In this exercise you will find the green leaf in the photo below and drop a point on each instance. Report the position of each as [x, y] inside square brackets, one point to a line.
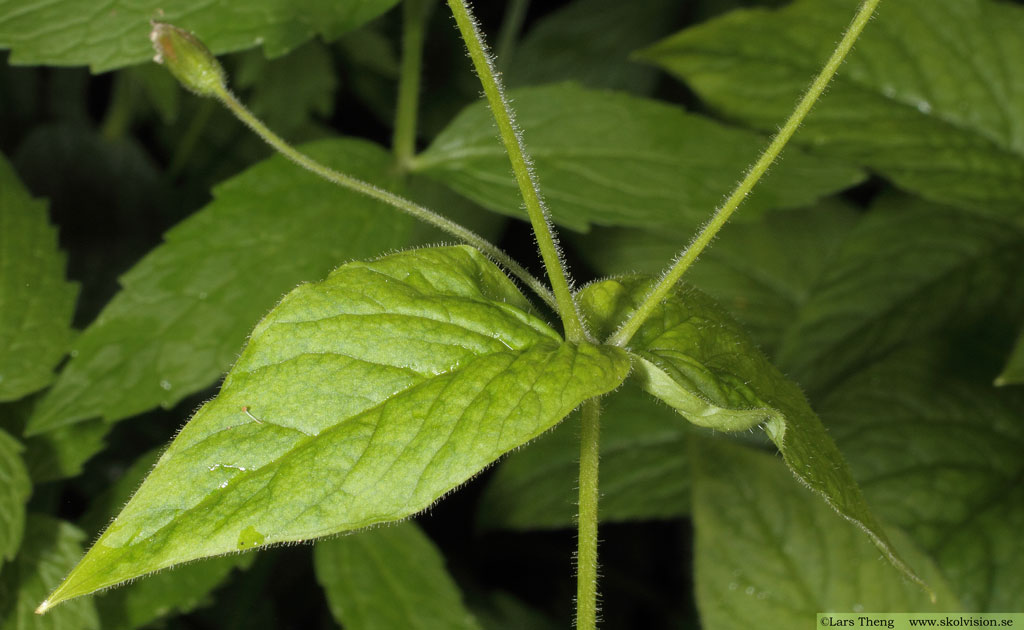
[612, 159]
[644, 470]
[177, 590]
[62, 452]
[910, 268]
[938, 452]
[15, 488]
[358, 400]
[761, 271]
[187, 306]
[590, 41]
[1013, 372]
[928, 98]
[692, 355]
[50, 548]
[36, 302]
[391, 577]
[81, 32]
[769, 555]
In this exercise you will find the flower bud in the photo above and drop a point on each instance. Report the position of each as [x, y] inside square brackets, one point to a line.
[188, 59]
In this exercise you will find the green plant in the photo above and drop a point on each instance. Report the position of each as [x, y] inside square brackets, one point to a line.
[365, 397]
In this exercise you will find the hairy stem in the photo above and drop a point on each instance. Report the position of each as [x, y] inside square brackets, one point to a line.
[722, 214]
[414, 20]
[586, 550]
[393, 200]
[513, 141]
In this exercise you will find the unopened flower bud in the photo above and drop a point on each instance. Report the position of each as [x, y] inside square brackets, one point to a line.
[188, 59]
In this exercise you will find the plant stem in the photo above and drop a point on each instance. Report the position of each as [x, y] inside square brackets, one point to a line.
[414, 20]
[511, 24]
[586, 550]
[401, 203]
[513, 141]
[722, 214]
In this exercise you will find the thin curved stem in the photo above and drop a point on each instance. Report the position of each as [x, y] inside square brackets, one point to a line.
[401, 203]
[510, 136]
[586, 543]
[722, 214]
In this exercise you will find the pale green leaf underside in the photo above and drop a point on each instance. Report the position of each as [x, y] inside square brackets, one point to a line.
[36, 302]
[609, 158]
[644, 471]
[693, 356]
[938, 452]
[391, 577]
[371, 394]
[932, 97]
[107, 35]
[51, 547]
[15, 489]
[909, 269]
[1013, 372]
[187, 307]
[770, 555]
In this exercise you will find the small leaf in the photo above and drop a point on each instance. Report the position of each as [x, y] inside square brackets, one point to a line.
[928, 98]
[50, 548]
[590, 41]
[15, 488]
[73, 32]
[1013, 371]
[188, 305]
[938, 452]
[358, 400]
[644, 470]
[391, 577]
[769, 555]
[36, 302]
[692, 355]
[608, 158]
[909, 269]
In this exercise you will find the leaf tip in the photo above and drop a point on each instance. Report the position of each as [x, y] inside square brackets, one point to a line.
[45, 606]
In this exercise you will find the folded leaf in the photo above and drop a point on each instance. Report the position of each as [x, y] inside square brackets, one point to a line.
[50, 548]
[608, 158]
[909, 269]
[644, 471]
[928, 97]
[188, 305]
[391, 577]
[15, 488]
[36, 302]
[769, 555]
[692, 355]
[80, 32]
[938, 452]
[358, 400]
